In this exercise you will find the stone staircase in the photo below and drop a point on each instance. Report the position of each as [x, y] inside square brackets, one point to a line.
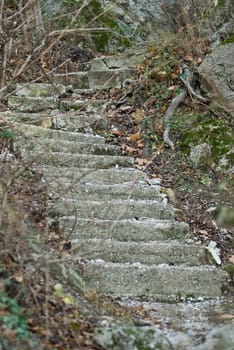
[121, 228]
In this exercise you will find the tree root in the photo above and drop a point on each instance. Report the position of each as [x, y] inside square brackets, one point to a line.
[186, 78]
[176, 101]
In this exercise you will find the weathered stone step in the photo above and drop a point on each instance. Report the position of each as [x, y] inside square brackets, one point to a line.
[29, 131]
[88, 105]
[39, 89]
[76, 121]
[148, 253]
[32, 104]
[95, 79]
[92, 191]
[41, 97]
[71, 121]
[157, 282]
[97, 176]
[79, 160]
[115, 209]
[53, 145]
[123, 230]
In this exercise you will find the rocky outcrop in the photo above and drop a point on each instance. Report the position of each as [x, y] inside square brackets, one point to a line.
[129, 22]
[217, 76]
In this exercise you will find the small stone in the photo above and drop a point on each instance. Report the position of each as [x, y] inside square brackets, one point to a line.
[200, 155]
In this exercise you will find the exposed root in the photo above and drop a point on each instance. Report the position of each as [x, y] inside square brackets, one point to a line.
[176, 101]
[186, 78]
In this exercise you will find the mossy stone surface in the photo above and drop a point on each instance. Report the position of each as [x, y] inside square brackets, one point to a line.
[215, 132]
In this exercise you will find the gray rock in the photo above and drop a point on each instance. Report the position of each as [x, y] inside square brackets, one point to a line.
[220, 338]
[200, 155]
[130, 337]
[217, 76]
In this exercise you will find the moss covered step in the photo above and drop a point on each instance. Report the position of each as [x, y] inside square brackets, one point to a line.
[32, 131]
[52, 145]
[92, 191]
[114, 209]
[123, 230]
[80, 160]
[149, 253]
[156, 282]
[76, 174]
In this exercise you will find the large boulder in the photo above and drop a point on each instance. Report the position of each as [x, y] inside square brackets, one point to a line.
[217, 76]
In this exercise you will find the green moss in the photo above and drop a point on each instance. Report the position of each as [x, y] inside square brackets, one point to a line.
[229, 268]
[229, 40]
[213, 131]
[117, 34]
[221, 3]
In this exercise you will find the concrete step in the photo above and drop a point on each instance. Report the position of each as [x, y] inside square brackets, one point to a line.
[88, 105]
[95, 79]
[39, 89]
[32, 104]
[156, 282]
[69, 121]
[53, 145]
[148, 253]
[77, 160]
[32, 131]
[97, 176]
[78, 80]
[92, 191]
[79, 121]
[114, 209]
[125, 230]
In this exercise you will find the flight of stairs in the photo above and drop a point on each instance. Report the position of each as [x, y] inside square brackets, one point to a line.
[120, 226]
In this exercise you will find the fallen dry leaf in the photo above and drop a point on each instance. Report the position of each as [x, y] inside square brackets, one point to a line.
[116, 132]
[19, 278]
[128, 149]
[172, 87]
[138, 115]
[231, 259]
[226, 317]
[124, 108]
[140, 144]
[140, 163]
[134, 137]
[203, 232]
[188, 58]
[92, 296]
